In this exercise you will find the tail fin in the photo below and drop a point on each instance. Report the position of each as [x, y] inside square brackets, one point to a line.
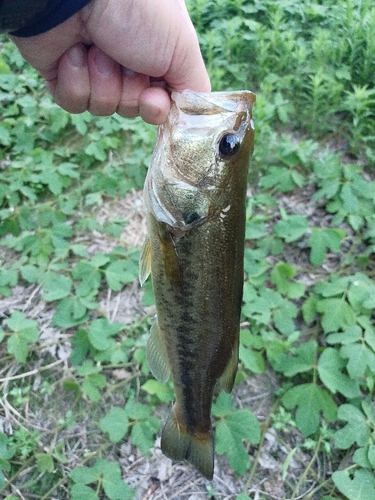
[178, 444]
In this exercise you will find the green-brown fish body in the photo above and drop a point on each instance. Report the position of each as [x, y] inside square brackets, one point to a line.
[195, 195]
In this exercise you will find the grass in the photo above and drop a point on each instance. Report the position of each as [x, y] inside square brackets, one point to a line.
[80, 412]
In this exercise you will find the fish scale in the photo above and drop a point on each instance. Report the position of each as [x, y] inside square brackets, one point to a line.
[195, 195]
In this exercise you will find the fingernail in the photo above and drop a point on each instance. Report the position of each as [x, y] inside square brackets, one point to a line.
[152, 114]
[154, 111]
[104, 63]
[77, 56]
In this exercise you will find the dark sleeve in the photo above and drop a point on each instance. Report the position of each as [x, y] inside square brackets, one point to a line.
[31, 17]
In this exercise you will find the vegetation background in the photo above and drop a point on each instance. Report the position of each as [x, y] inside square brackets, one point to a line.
[80, 413]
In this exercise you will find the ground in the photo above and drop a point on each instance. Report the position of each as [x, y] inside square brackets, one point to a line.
[277, 472]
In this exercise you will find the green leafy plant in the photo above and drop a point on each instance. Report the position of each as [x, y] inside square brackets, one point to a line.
[74, 376]
[135, 417]
[7, 452]
[22, 332]
[232, 428]
[106, 475]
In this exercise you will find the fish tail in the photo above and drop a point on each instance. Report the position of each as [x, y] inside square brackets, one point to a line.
[178, 443]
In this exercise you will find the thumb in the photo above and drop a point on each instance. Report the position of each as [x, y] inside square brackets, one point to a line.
[154, 38]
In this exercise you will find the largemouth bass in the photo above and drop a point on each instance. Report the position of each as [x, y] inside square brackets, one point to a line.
[195, 194]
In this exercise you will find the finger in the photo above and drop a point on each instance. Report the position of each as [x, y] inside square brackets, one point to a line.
[187, 69]
[154, 105]
[133, 85]
[105, 83]
[159, 38]
[71, 88]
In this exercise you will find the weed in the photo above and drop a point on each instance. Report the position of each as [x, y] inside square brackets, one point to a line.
[79, 424]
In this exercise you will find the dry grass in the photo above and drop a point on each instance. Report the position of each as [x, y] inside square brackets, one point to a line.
[154, 477]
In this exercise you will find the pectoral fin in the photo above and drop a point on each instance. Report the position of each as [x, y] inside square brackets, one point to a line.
[157, 357]
[226, 381]
[145, 262]
[171, 263]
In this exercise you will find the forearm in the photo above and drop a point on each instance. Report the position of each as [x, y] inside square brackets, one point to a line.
[25, 18]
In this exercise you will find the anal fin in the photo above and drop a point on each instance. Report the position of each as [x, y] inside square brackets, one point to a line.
[156, 352]
[179, 444]
[226, 381]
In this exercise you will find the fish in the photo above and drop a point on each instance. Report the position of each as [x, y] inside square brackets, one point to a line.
[195, 196]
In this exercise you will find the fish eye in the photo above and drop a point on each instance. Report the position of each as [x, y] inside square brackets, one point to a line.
[229, 145]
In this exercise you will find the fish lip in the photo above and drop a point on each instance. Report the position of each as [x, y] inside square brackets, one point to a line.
[197, 103]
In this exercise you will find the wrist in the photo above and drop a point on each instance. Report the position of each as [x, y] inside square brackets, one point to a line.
[54, 13]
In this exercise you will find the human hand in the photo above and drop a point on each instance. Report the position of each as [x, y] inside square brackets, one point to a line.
[119, 56]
